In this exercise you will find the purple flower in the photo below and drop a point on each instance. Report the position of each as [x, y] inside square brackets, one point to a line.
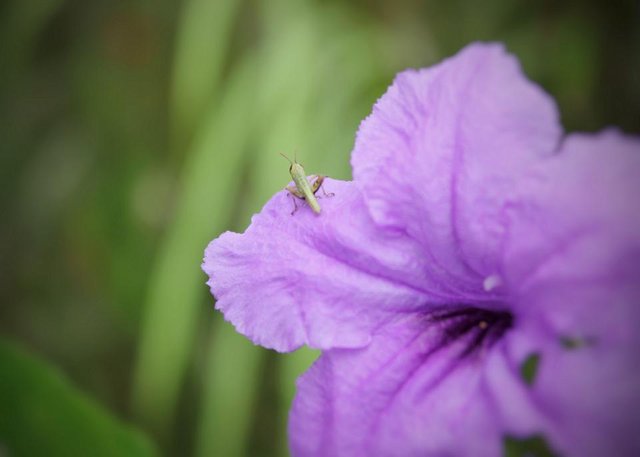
[474, 290]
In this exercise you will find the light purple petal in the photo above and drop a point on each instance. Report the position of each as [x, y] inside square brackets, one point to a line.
[442, 150]
[572, 253]
[588, 380]
[576, 216]
[407, 395]
[324, 280]
[572, 264]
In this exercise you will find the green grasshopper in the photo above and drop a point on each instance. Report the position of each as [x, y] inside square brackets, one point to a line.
[303, 190]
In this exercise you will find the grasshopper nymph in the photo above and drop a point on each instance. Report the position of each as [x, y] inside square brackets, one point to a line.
[303, 190]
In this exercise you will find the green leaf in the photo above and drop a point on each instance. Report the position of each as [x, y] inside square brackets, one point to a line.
[41, 413]
[532, 446]
[529, 368]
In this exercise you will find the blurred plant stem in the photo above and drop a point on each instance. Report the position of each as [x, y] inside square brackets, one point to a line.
[202, 43]
[231, 381]
[176, 287]
[230, 384]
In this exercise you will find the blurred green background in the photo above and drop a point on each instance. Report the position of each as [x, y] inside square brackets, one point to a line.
[133, 132]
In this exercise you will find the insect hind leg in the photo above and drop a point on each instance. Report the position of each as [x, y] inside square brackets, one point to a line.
[324, 192]
[318, 185]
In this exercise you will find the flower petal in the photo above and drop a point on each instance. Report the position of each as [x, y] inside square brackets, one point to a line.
[576, 216]
[404, 395]
[324, 280]
[407, 394]
[572, 263]
[588, 380]
[572, 254]
[442, 150]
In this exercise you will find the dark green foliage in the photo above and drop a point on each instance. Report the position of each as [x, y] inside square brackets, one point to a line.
[533, 446]
[529, 368]
[41, 413]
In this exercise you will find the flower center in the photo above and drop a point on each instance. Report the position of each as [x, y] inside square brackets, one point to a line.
[478, 328]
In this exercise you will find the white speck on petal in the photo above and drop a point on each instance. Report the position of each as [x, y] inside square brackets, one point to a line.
[491, 282]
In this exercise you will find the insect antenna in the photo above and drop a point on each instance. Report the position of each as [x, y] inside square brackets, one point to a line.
[286, 157]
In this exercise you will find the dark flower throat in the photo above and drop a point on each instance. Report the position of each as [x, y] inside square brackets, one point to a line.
[479, 328]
